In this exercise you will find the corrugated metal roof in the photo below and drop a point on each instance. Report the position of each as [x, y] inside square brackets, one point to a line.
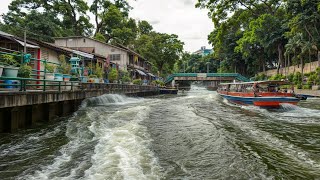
[5, 34]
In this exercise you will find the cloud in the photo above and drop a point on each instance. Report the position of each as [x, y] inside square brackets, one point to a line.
[176, 17]
[188, 2]
[154, 22]
[193, 37]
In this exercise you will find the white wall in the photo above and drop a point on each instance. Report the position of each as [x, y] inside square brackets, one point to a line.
[99, 47]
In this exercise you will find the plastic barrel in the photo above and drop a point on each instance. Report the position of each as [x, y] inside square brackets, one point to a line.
[8, 82]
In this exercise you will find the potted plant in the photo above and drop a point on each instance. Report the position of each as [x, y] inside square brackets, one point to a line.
[49, 71]
[10, 68]
[99, 73]
[92, 78]
[137, 82]
[126, 79]
[113, 75]
[64, 68]
[25, 71]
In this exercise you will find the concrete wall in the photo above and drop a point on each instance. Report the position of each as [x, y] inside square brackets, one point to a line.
[48, 54]
[22, 109]
[100, 48]
[308, 67]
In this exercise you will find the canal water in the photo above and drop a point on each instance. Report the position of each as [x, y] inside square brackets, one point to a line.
[195, 135]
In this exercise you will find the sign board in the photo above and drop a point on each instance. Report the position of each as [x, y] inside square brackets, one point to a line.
[202, 75]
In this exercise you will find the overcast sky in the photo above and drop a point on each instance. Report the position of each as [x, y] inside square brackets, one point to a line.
[169, 16]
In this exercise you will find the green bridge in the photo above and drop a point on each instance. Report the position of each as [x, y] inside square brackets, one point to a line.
[206, 77]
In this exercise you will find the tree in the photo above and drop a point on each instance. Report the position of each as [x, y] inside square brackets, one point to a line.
[111, 19]
[163, 50]
[144, 27]
[68, 17]
[304, 18]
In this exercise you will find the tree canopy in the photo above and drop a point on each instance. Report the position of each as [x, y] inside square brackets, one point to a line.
[254, 36]
[46, 19]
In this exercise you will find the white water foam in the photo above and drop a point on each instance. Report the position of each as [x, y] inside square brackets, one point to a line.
[110, 99]
[121, 144]
[122, 152]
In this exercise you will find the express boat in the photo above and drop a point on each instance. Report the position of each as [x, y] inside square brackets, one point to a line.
[259, 93]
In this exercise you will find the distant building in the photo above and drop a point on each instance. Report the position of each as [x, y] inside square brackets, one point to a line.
[203, 51]
[125, 58]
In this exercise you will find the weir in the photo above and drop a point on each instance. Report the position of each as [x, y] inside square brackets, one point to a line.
[23, 109]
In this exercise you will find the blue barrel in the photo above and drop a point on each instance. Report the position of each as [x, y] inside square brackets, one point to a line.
[8, 82]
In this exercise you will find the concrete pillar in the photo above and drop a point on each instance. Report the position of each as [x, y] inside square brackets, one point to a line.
[52, 111]
[67, 107]
[18, 118]
[28, 116]
[5, 120]
[39, 113]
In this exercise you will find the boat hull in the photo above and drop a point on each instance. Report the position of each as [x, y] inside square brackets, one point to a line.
[267, 102]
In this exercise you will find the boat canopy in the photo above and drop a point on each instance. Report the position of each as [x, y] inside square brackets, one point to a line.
[260, 82]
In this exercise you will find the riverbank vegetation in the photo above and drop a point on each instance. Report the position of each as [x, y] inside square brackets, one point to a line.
[45, 20]
[254, 36]
[301, 82]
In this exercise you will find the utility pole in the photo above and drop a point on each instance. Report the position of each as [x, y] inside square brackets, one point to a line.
[25, 42]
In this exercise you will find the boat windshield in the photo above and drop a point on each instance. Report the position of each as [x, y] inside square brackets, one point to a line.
[284, 88]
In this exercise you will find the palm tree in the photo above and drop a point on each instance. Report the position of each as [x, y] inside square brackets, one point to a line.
[300, 43]
[289, 49]
[307, 48]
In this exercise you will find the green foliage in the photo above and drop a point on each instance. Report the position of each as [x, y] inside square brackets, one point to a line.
[46, 19]
[125, 76]
[100, 37]
[299, 86]
[290, 77]
[297, 79]
[158, 83]
[93, 76]
[64, 67]
[162, 50]
[9, 60]
[25, 71]
[99, 71]
[254, 36]
[137, 81]
[50, 68]
[306, 86]
[144, 27]
[313, 79]
[113, 75]
[260, 77]
[277, 77]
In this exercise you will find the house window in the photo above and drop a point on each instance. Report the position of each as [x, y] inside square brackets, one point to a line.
[115, 57]
[84, 40]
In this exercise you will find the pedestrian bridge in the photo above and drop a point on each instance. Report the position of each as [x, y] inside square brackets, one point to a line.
[205, 77]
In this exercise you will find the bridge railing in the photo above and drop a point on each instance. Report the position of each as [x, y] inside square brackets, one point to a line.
[235, 75]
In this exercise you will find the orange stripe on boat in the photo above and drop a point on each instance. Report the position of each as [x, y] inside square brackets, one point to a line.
[272, 103]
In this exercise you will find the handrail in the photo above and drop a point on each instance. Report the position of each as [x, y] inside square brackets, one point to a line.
[24, 84]
[236, 75]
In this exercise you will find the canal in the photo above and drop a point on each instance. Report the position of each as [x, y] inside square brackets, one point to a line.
[195, 135]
